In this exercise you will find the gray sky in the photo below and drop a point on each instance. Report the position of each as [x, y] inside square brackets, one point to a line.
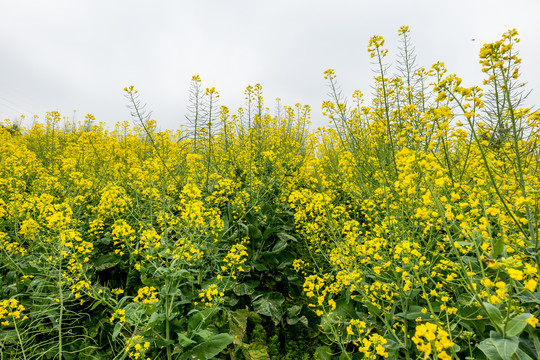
[70, 55]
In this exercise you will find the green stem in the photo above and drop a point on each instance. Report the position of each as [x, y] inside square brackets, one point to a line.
[19, 336]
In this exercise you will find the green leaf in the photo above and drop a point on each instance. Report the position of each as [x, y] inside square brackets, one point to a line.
[373, 310]
[156, 318]
[293, 321]
[498, 247]
[294, 310]
[393, 344]
[194, 321]
[489, 349]
[198, 319]
[225, 222]
[254, 232]
[269, 231]
[323, 353]
[245, 288]
[116, 330]
[494, 314]
[286, 237]
[257, 351]
[105, 262]
[95, 305]
[260, 267]
[522, 355]
[269, 304]
[280, 245]
[414, 312]
[210, 348]
[536, 342]
[344, 310]
[285, 259]
[9, 337]
[184, 341]
[238, 324]
[205, 334]
[517, 324]
[497, 347]
[506, 347]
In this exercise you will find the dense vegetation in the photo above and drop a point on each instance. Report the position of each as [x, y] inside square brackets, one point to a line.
[406, 230]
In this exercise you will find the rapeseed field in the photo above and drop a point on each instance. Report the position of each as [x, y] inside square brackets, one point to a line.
[408, 229]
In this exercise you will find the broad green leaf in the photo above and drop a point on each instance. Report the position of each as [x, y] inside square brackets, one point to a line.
[245, 288]
[257, 351]
[210, 348]
[184, 341]
[517, 324]
[269, 231]
[323, 353]
[536, 342]
[506, 347]
[494, 314]
[294, 310]
[269, 304]
[293, 321]
[522, 355]
[286, 237]
[172, 292]
[105, 262]
[254, 232]
[133, 312]
[392, 344]
[489, 349]
[284, 258]
[280, 245]
[199, 319]
[194, 321]
[238, 325]
[260, 267]
[204, 334]
[156, 318]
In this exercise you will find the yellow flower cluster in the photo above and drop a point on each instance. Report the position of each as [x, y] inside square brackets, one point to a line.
[136, 347]
[119, 314]
[146, 295]
[210, 294]
[430, 338]
[13, 248]
[235, 259]
[494, 55]
[370, 344]
[10, 310]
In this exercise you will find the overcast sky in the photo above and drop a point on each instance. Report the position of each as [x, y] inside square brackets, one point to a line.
[70, 55]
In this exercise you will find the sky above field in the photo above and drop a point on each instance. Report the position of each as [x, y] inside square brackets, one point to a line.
[68, 55]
